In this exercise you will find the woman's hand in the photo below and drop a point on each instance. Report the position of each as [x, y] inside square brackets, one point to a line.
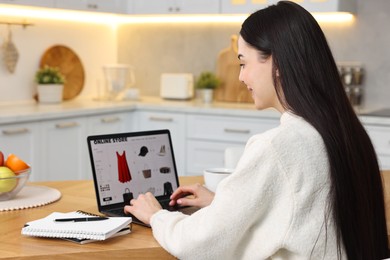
[143, 207]
[201, 196]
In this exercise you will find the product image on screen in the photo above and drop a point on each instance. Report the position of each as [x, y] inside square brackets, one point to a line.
[127, 166]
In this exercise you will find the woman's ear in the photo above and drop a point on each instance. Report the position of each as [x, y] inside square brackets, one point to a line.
[277, 73]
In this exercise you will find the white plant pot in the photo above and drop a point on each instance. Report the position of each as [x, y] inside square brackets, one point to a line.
[50, 93]
[207, 95]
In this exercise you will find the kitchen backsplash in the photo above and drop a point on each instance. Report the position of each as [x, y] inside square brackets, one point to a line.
[156, 48]
[94, 44]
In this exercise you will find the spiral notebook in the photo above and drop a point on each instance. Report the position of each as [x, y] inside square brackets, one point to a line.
[93, 230]
[82, 241]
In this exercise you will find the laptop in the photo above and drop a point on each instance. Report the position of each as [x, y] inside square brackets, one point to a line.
[125, 165]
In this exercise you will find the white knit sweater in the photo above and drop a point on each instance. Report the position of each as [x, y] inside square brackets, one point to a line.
[272, 207]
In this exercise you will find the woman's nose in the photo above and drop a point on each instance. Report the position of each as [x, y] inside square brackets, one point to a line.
[240, 78]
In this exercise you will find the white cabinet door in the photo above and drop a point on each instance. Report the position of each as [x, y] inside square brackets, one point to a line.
[23, 140]
[199, 6]
[110, 123]
[227, 128]
[44, 3]
[244, 6]
[111, 6]
[384, 162]
[151, 7]
[380, 138]
[176, 123]
[209, 136]
[250, 6]
[175, 6]
[65, 149]
[202, 155]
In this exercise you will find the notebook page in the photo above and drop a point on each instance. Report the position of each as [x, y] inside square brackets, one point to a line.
[97, 230]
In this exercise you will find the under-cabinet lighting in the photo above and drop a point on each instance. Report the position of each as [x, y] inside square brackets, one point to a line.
[336, 17]
[115, 19]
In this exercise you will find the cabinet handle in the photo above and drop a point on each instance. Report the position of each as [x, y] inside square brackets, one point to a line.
[237, 131]
[66, 125]
[107, 120]
[164, 119]
[92, 6]
[16, 131]
[174, 9]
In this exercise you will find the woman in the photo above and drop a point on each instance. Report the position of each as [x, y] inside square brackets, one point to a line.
[308, 189]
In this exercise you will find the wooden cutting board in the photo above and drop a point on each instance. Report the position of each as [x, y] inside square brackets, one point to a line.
[70, 66]
[228, 70]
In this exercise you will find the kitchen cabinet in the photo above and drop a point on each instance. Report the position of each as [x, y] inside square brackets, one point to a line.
[208, 136]
[64, 149]
[176, 123]
[112, 6]
[174, 6]
[223, 128]
[249, 6]
[57, 149]
[380, 138]
[202, 155]
[23, 140]
[243, 6]
[64, 146]
[109, 123]
[43, 3]
[54, 142]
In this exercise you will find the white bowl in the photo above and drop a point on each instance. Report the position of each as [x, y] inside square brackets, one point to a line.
[20, 180]
[213, 176]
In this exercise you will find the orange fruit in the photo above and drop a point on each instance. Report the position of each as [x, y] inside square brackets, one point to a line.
[15, 163]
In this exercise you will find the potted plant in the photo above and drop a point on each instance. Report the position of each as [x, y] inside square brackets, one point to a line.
[206, 83]
[50, 84]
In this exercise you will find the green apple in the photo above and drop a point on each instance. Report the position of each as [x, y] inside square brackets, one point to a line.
[7, 185]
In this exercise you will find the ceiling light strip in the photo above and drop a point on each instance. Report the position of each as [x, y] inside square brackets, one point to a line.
[115, 19]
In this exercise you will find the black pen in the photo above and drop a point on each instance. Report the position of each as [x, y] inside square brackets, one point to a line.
[79, 219]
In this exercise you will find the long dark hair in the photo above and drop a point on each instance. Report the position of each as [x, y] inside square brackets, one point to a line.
[309, 85]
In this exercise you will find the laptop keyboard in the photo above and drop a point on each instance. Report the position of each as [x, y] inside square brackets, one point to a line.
[119, 212]
[165, 205]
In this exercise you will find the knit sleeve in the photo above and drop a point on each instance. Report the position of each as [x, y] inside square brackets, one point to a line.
[240, 222]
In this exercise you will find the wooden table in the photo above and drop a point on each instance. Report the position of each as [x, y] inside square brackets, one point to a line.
[76, 195]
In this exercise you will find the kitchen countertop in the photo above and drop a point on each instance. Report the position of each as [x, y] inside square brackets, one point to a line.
[83, 107]
[381, 112]
[35, 112]
[11, 114]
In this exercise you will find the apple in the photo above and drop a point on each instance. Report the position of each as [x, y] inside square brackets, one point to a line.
[1, 158]
[7, 185]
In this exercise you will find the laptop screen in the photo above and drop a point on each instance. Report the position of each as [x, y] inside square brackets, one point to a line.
[136, 163]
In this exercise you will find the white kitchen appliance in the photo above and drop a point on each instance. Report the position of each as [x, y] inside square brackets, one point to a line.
[177, 86]
[118, 78]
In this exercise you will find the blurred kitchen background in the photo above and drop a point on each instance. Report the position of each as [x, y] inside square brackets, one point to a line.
[155, 48]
